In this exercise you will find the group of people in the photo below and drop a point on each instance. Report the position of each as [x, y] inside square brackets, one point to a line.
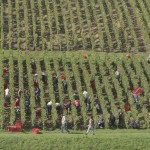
[101, 124]
[7, 98]
[64, 125]
[7, 94]
[6, 88]
[16, 101]
[67, 103]
[55, 82]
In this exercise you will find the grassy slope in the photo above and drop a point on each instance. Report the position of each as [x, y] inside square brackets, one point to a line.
[103, 139]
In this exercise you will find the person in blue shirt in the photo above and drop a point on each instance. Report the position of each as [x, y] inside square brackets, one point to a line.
[135, 96]
[37, 92]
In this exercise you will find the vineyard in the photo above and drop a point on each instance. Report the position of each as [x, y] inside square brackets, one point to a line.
[50, 25]
[111, 93]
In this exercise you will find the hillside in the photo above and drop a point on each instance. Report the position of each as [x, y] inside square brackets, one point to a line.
[111, 93]
[60, 25]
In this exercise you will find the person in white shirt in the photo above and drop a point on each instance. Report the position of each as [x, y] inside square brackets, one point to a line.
[7, 92]
[85, 94]
[58, 108]
[63, 124]
[49, 103]
[63, 120]
[91, 125]
[117, 74]
[35, 77]
[57, 104]
[49, 107]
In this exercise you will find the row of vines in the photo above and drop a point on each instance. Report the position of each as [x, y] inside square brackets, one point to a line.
[120, 25]
[110, 92]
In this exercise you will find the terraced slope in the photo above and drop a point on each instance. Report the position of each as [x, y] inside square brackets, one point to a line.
[110, 92]
[106, 25]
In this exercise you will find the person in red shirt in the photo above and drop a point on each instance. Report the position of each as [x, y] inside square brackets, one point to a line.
[36, 83]
[5, 71]
[6, 104]
[38, 112]
[92, 84]
[127, 107]
[77, 105]
[67, 106]
[16, 103]
[62, 77]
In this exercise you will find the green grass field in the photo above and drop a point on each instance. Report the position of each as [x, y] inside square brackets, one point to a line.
[102, 140]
